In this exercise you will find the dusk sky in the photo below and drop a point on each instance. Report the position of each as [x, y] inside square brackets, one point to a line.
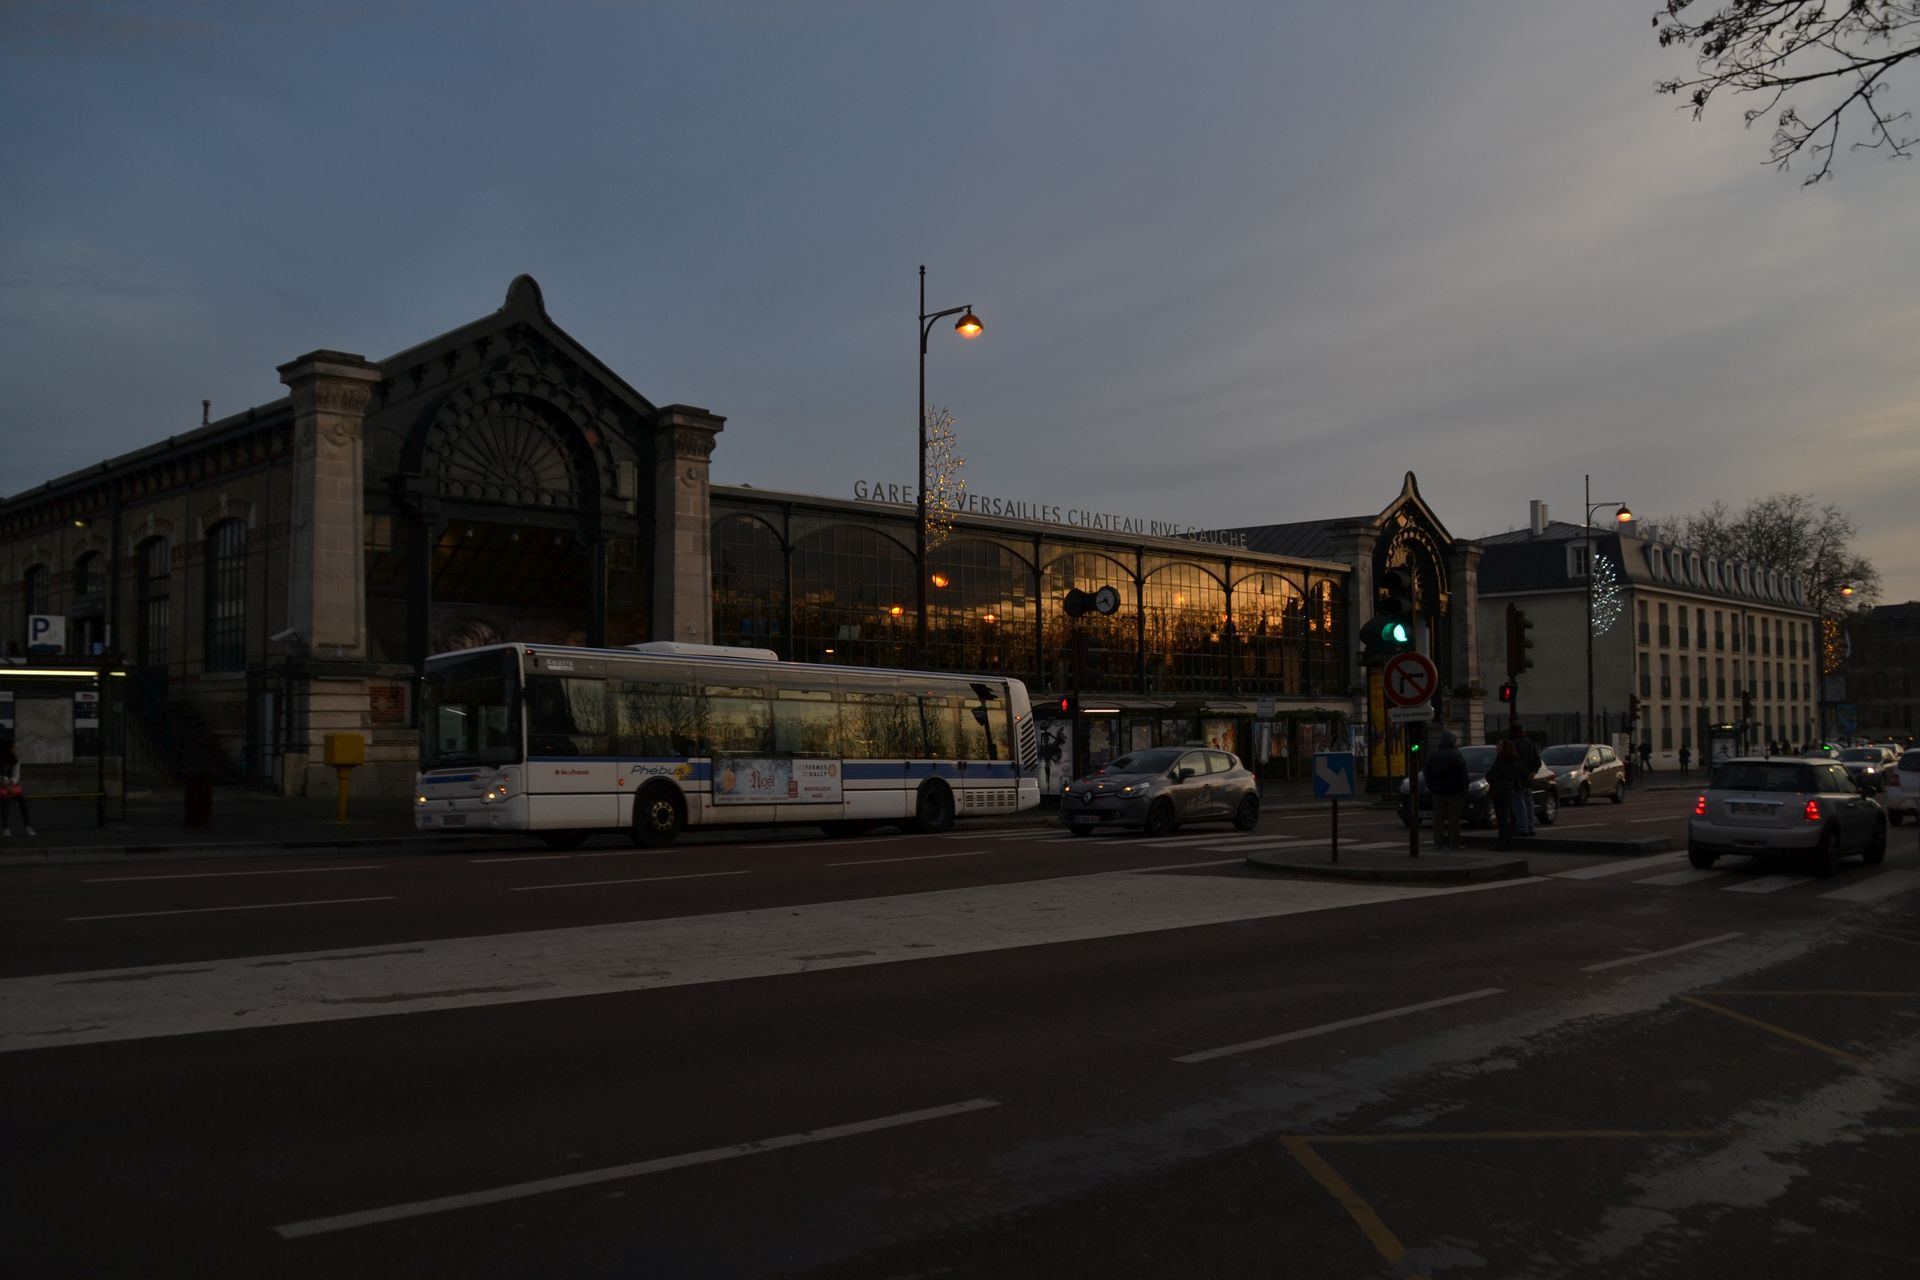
[1238, 263]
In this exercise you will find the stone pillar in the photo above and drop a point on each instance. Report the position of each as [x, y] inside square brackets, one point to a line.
[1468, 708]
[326, 578]
[683, 525]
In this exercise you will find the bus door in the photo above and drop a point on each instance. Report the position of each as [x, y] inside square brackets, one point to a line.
[571, 773]
[985, 749]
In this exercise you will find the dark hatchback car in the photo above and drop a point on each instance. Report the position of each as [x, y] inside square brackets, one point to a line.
[1546, 798]
[1160, 789]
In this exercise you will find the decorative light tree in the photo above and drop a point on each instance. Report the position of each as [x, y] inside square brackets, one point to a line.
[946, 491]
[1608, 599]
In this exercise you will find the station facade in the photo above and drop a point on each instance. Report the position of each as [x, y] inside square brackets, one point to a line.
[282, 573]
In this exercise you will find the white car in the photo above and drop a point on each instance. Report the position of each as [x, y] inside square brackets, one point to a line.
[1901, 799]
[1779, 806]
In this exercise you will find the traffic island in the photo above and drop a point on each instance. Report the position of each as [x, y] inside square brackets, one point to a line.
[1393, 865]
[1544, 841]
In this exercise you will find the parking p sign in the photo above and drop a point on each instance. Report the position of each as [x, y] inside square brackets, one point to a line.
[46, 633]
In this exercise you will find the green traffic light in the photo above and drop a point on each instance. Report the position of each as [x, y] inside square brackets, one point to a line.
[1397, 632]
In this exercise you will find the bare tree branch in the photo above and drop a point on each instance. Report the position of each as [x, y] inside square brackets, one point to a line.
[1841, 49]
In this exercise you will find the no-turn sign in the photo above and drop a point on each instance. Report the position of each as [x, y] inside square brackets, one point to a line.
[1410, 679]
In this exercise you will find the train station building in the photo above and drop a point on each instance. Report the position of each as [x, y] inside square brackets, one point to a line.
[282, 573]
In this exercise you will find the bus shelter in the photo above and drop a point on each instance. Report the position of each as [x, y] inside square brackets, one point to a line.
[67, 721]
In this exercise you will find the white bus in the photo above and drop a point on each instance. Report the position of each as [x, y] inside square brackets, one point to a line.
[655, 738]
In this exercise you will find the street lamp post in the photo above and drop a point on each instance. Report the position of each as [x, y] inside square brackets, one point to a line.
[967, 326]
[1845, 591]
[1622, 516]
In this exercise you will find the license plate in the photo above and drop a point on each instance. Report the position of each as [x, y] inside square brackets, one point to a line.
[1737, 807]
[1083, 819]
[454, 820]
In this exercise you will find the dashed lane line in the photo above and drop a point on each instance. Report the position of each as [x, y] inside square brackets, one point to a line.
[595, 884]
[1656, 955]
[1304, 1033]
[251, 906]
[915, 857]
[621, 1172]
[214, 875]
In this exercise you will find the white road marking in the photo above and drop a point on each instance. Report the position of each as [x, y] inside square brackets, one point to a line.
[531, 857]
[1766, 884]
[641, 1168]
[1655, 955]
[914, 857]
[1175, 842]
[252, 906]
[1286, 1037]
[1620, 868]
[1671, 817]
[594, 884]
[48, 1011]
[1884, 885]
[211, 875]
[1688, 876]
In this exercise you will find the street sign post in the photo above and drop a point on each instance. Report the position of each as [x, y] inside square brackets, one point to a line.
[1334, 777]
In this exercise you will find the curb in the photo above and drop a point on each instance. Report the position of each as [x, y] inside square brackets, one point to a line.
[1458, 869]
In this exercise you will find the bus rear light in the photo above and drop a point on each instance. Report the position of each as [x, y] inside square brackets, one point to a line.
[1813, 811]
[1700, 807]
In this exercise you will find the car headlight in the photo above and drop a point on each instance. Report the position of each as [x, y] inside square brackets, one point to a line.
[1475, 788]
[1568, 776]
[1137, 788]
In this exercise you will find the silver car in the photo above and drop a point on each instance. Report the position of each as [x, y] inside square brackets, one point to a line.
[1162, 788]
[1781, 806]
[1583, 770]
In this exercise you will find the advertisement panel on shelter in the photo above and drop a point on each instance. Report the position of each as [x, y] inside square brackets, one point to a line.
[775, 780]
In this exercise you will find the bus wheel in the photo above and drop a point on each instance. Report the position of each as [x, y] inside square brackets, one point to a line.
[564, 839]
[933, 811]
[658, 816]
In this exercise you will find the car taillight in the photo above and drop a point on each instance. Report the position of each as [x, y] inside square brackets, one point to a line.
[1813, 811]
[1700, 807]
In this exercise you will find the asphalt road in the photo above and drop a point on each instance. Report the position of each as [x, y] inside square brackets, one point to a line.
[994, 1053]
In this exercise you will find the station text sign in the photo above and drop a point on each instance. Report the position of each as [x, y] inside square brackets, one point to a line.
[1048, 513]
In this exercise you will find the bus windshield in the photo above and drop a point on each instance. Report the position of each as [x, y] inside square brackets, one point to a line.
[470, 712]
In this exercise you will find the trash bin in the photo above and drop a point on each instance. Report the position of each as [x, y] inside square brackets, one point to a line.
[199, 794]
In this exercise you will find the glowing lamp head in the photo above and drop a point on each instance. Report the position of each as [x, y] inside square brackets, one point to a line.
[968, 325]
[1846, 592]
[895, 611]
[1623, 515]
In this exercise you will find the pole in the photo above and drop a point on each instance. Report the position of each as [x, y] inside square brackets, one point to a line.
[1586, 529]
[920, 490]
[1413, 792]
[1333, 847]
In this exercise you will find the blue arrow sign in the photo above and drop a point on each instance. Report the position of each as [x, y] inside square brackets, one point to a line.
[1333, 775]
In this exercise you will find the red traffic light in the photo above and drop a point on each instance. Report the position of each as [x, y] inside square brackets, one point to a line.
[1066, 705]
[1506, 692]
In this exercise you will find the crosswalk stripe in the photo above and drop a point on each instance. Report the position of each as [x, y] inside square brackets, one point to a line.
[1767, 884]
[1619, 868]
[1885, 885]
[1688, 876]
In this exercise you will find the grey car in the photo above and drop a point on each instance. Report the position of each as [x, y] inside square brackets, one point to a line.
[1162, 788]
[1773, 807]
[1583, 770]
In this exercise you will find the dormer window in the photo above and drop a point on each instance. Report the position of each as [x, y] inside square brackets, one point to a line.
[1657, 562]
[1576, 559]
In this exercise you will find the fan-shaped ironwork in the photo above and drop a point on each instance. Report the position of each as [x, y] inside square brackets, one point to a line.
[514, 455]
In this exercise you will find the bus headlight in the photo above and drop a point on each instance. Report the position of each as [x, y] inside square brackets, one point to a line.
[420, 799]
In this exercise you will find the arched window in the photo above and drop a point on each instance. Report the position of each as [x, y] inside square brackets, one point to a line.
[227, 596]
[38, 589]
[156, 583]
[86, 574]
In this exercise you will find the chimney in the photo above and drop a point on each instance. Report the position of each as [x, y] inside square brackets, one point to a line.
[1537, 517]
[206, 412]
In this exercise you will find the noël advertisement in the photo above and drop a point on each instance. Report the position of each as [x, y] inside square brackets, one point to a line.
[775, 780]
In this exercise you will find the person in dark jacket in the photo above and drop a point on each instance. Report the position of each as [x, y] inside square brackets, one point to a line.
[1447, 783]
[1528, 757]
[1504, 781]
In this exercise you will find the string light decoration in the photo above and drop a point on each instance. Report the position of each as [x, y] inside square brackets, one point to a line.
[1608, 601]
[1833, 646]
[946, 491]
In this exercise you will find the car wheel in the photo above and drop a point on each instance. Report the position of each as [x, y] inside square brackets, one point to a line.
[1826, 855]
[658, 816]
[1549, 808]
[1159, 819]
[1876, 851]
[1584, 796]
[1702, 859]
[1620, 792]
[567, 839]
[1247, 816]
[933, 811]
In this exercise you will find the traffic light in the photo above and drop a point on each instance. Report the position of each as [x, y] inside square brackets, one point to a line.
[1390, 629]
[1746, 706]
[1069, 704]
[1506, 692]
[1633, 710]
[1518, 641]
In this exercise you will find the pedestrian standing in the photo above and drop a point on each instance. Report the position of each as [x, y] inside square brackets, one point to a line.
[1447, 784]
[1503, 781]
[1528, 757]
[11, 792]
[1686, 758]
[1646, 757]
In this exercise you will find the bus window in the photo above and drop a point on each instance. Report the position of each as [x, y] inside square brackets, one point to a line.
[983, 729]
[566, 716]
[735, 721]
[806, 722]
[656, 719]
[881, 726]
[470, 711]
[937, 724]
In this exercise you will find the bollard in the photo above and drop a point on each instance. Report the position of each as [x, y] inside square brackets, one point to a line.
[343, 751]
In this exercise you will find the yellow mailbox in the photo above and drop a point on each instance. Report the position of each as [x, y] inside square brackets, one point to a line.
[343, 751]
